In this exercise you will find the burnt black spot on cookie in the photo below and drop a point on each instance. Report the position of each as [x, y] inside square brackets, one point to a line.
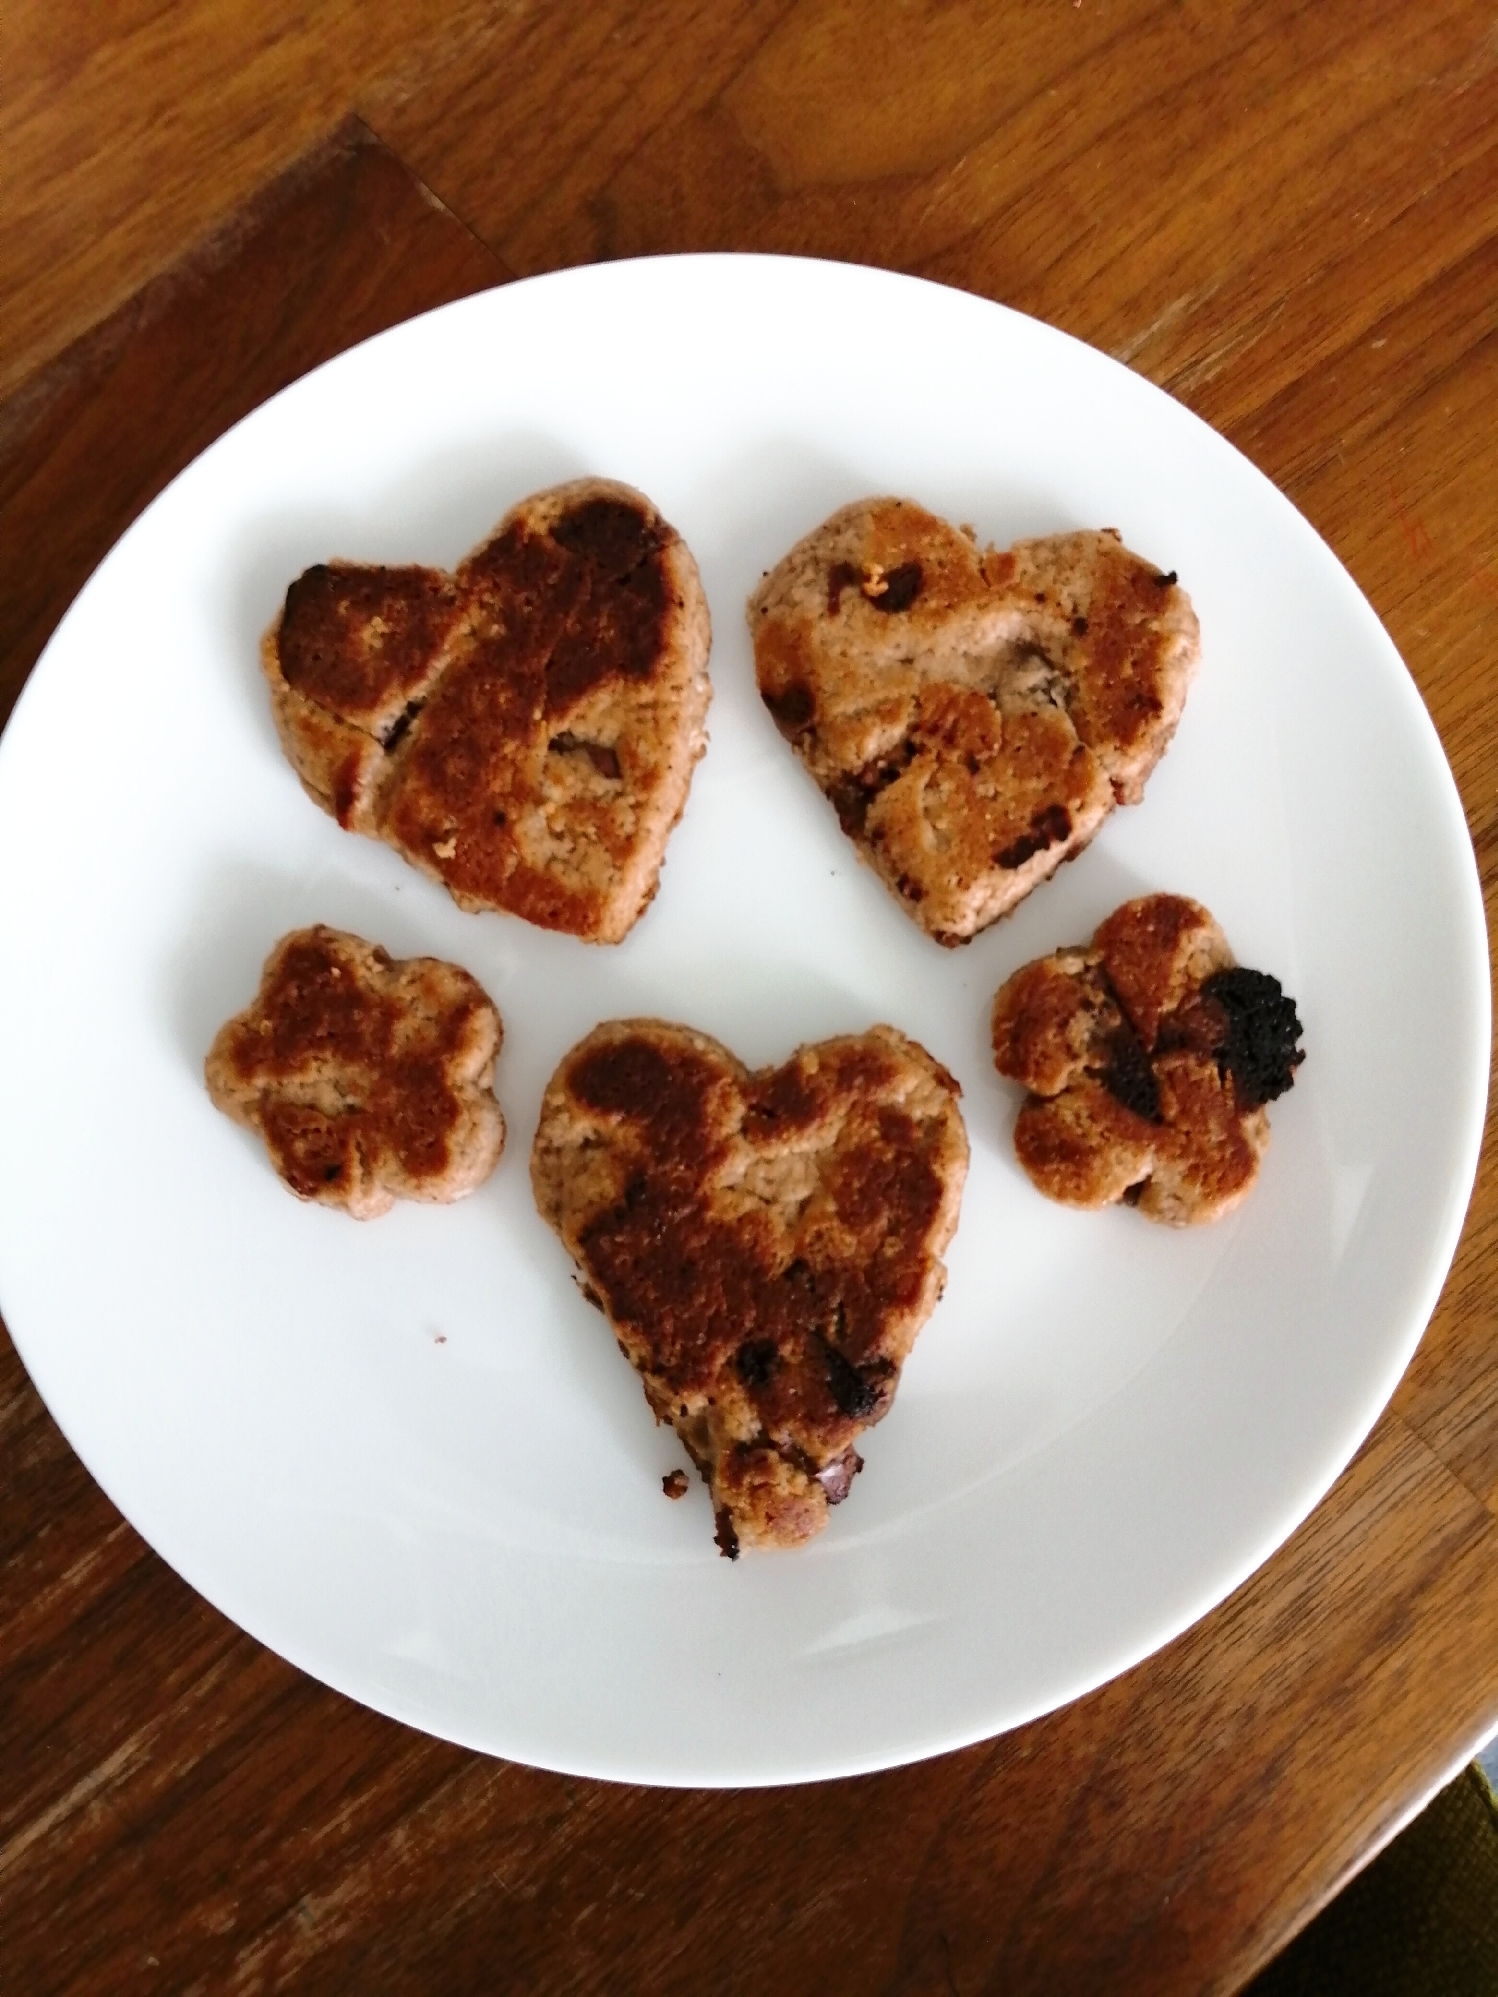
[854, 1393]
[792, 708]
[851, 803]
[1260, 1050]
[902, 586]
[756, 1361]
[1047, 828]
[841, 576]
[851, 796]
[1129, 1077]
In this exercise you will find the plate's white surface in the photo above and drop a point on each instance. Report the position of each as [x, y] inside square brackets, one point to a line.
[407, 1455]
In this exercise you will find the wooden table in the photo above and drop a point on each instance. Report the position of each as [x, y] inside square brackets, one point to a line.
[1285, 214]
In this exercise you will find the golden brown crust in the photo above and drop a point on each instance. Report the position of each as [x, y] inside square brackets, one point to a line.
[1148, 1056]
[523, 730]
[370, 1080]
[766, 1246]
[972, 715]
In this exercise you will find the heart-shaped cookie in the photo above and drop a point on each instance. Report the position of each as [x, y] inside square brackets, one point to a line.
[972, 715]
[370, 1080]
[524, 730]
[766, 1246]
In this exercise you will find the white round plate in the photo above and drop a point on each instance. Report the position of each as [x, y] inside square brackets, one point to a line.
[407, 1455]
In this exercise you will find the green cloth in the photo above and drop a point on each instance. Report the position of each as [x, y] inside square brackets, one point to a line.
[1422, 1918]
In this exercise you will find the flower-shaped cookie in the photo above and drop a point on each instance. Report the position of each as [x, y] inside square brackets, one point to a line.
[369, 1080]
[1149, 1056]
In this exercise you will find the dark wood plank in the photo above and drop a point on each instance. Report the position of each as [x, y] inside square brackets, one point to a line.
[345, 244]
[129, 132]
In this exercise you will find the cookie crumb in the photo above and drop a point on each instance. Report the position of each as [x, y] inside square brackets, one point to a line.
[674, 1483]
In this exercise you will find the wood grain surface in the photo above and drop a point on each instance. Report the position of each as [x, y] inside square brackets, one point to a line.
[1288, 215]
[130, 131]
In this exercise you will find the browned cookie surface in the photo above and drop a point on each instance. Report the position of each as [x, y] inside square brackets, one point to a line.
[524, 730]
[370, 1080]
[972, 715]
[766, 1246]
[1149, 1056]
